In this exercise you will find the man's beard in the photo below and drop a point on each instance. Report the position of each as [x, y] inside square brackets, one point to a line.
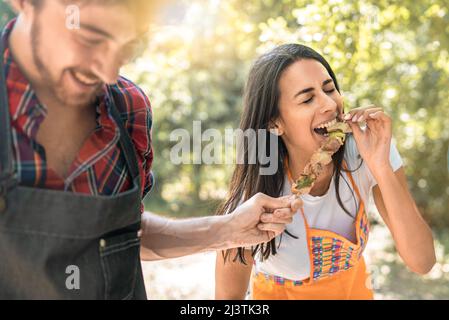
[56, 87]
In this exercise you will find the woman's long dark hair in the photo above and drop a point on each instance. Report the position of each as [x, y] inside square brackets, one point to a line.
[261, 101]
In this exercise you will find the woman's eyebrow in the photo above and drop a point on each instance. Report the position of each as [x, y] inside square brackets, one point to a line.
[311, 89]
[303, 91]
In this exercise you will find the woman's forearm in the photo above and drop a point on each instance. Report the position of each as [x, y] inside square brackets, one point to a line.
[232, 278]
[412, 235]
[164, 238]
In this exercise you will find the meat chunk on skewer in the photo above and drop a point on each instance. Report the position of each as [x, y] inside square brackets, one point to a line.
[321, 158]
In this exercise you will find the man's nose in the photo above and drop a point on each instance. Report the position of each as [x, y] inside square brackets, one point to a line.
[106, 69]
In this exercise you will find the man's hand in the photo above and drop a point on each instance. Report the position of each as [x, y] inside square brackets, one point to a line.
[257, 220]
[261, 218]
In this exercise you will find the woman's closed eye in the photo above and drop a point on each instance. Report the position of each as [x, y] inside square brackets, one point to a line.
[311, 98]
[308, 100]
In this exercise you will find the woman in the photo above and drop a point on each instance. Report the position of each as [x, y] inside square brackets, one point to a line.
[292, 91]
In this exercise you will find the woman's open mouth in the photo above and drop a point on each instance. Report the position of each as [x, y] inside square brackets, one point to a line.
[322, 128]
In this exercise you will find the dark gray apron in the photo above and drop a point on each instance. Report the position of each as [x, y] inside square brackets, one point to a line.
[47, 236]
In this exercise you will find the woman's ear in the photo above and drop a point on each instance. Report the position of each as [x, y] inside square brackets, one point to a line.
[275, 128]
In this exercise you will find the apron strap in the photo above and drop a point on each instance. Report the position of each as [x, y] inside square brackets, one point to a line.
[6, 163]
[125, 140]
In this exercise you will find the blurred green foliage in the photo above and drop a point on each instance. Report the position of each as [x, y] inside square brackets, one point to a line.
[392, 280]
[392, 53]
[5, 13]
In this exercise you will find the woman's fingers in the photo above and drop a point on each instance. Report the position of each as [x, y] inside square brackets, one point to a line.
[366, 114]
[380, 115]
[378, 119]
[361, 114]
[356, 130]
[376, 122]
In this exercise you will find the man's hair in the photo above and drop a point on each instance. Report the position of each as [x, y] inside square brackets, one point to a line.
[139, 3]
[143, 9]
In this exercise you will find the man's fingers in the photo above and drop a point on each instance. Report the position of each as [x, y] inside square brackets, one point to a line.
[270, 204]
[269, 235]
[270, 218]
[296, 204]
[277, 228]
[284, 213]
[278, 216]
[273, 203]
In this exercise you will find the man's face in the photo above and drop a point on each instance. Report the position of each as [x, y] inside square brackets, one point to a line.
[73, 63]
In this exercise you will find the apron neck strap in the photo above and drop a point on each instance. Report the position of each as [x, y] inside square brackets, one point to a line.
[125, 140]
[6, 163]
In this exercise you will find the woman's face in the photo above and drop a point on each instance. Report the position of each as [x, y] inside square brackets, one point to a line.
[308, 99]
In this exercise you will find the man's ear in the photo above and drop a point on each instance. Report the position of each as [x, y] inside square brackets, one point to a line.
[15, 5]
[276, 128]
[19, 5]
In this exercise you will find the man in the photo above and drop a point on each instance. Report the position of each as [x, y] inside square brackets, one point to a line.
[75, 161]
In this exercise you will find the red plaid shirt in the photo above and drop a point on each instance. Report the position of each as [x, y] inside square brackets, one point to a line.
[100, 167]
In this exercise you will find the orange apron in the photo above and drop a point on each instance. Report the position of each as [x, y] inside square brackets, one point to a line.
[337, 267]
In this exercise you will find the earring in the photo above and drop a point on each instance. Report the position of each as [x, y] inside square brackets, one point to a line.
[275, 131]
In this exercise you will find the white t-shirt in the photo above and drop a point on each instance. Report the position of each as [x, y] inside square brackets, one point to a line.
[323, 212]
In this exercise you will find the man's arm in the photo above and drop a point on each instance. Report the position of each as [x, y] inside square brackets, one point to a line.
[164, 238]
[258, 220]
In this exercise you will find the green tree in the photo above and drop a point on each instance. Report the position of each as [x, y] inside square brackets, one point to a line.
[5, 13]
[392, 53]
